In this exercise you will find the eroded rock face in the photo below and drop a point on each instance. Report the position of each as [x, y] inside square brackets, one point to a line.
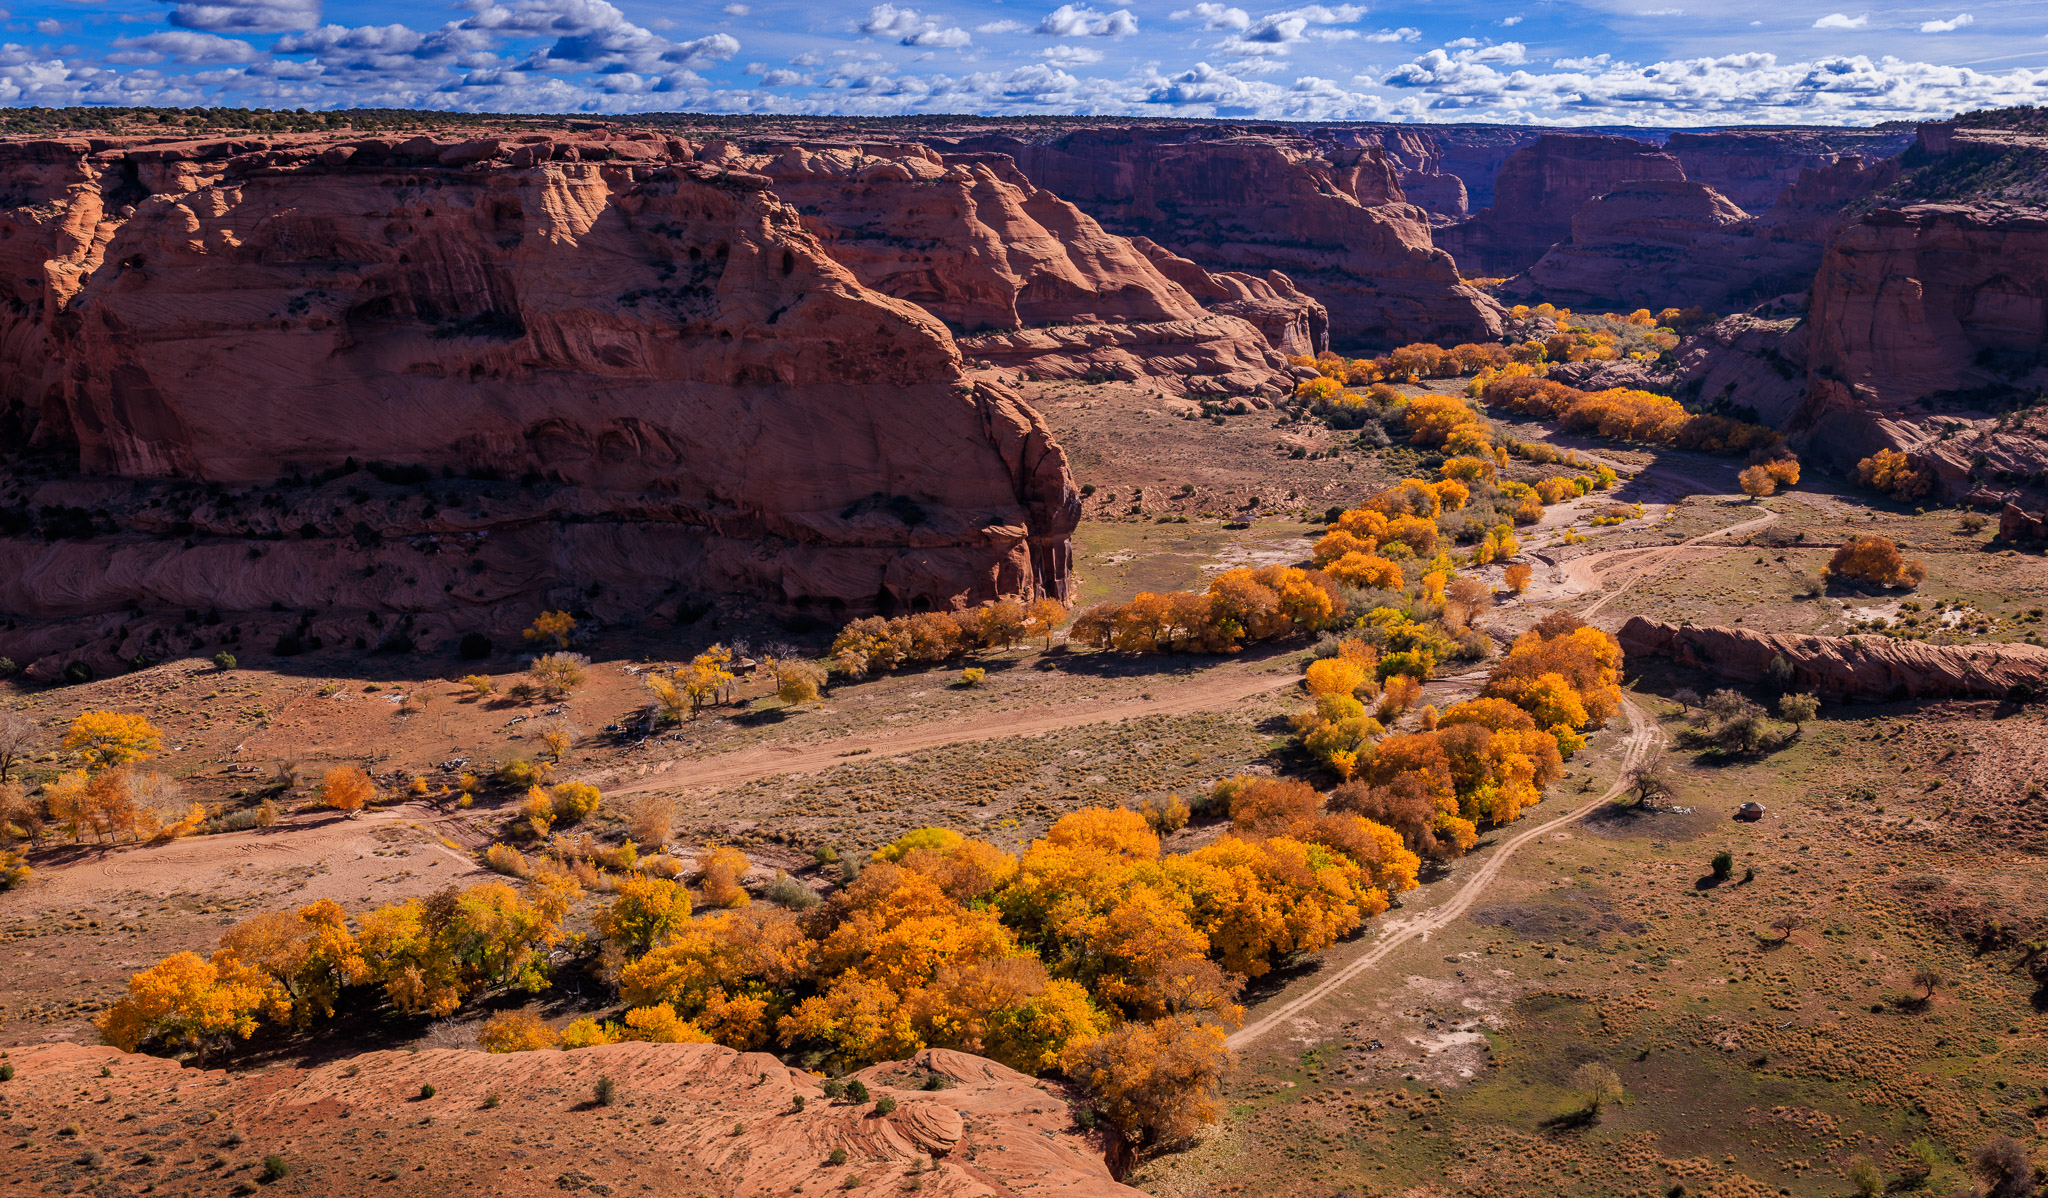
[1657, 244]
[1335, 222]
[1541, 187]
[1753, 168]
[1926, 321]
[1860, 668]
[705, 395]
[702, 1119]
[1752, 363]
[1028, 280]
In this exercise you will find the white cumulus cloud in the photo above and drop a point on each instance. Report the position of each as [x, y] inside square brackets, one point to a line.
[247, 16]
[1949, 26]
[911, 29]
[1215, 16]
[183, 46]
[1842, 20]
[1072, 20]
[1070, 56]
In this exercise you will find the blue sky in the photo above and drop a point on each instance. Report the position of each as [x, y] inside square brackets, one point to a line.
[1648, 62]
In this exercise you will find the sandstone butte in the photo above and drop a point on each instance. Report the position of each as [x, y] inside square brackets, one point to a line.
[1872, 669]
[685, 1119]
[1332, 218]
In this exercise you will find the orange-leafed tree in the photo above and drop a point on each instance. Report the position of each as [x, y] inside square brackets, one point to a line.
[718, 877]
[346, 788]
[109, 739]
[552, 628]
[1892, 472]
[186, 1002]
[1158, 1082]
[1875, 560]
[1043, 618]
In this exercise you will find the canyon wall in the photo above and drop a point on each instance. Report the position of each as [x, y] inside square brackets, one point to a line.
[1928, 323]
[1754, 167]
[1335, 221]
[1683, 244]
[693, 391]
[1026, 279]
[1540, 188]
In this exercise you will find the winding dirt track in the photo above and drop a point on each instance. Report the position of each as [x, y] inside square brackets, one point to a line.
[1641, 563]
[1642, 739]
[1218, 689]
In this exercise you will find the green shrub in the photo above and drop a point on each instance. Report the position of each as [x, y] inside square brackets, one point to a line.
[1724, 863]
[274, 1167]
[605, 1091]
[838, 1156]
[426, 1091]
[885, 1105]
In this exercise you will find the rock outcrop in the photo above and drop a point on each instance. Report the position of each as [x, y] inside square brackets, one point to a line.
[694, 390]
[686, 1119]
[1335, 221]
[1839, 668]
[1926, 321]
[1682, 244]
[1026, 279]
[1752, 364]
[1471, 154]
[1753, 168]
[1541, 187]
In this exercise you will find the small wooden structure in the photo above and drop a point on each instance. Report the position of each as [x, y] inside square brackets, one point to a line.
[1750, 811]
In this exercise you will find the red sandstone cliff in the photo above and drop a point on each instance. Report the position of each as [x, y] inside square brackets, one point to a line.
[1926, 321]
[698, 391]
[1336, 223]
[1027, 279]
[1754, 167]
[1541, 188]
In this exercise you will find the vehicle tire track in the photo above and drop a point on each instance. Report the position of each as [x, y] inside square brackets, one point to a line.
[1642, 739]
[1656, 559]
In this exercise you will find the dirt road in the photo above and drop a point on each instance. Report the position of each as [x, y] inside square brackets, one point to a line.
[1642, 739]
[1616, 570]
[1219, 688]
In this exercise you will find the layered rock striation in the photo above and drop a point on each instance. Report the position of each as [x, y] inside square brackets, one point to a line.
[1683, 244]
[1539, 191]
[1029, 281]
[1928, 323]
[1855, 668]
[695, 1118]
[1333, 220]
[692, 390]
[1753, 168]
